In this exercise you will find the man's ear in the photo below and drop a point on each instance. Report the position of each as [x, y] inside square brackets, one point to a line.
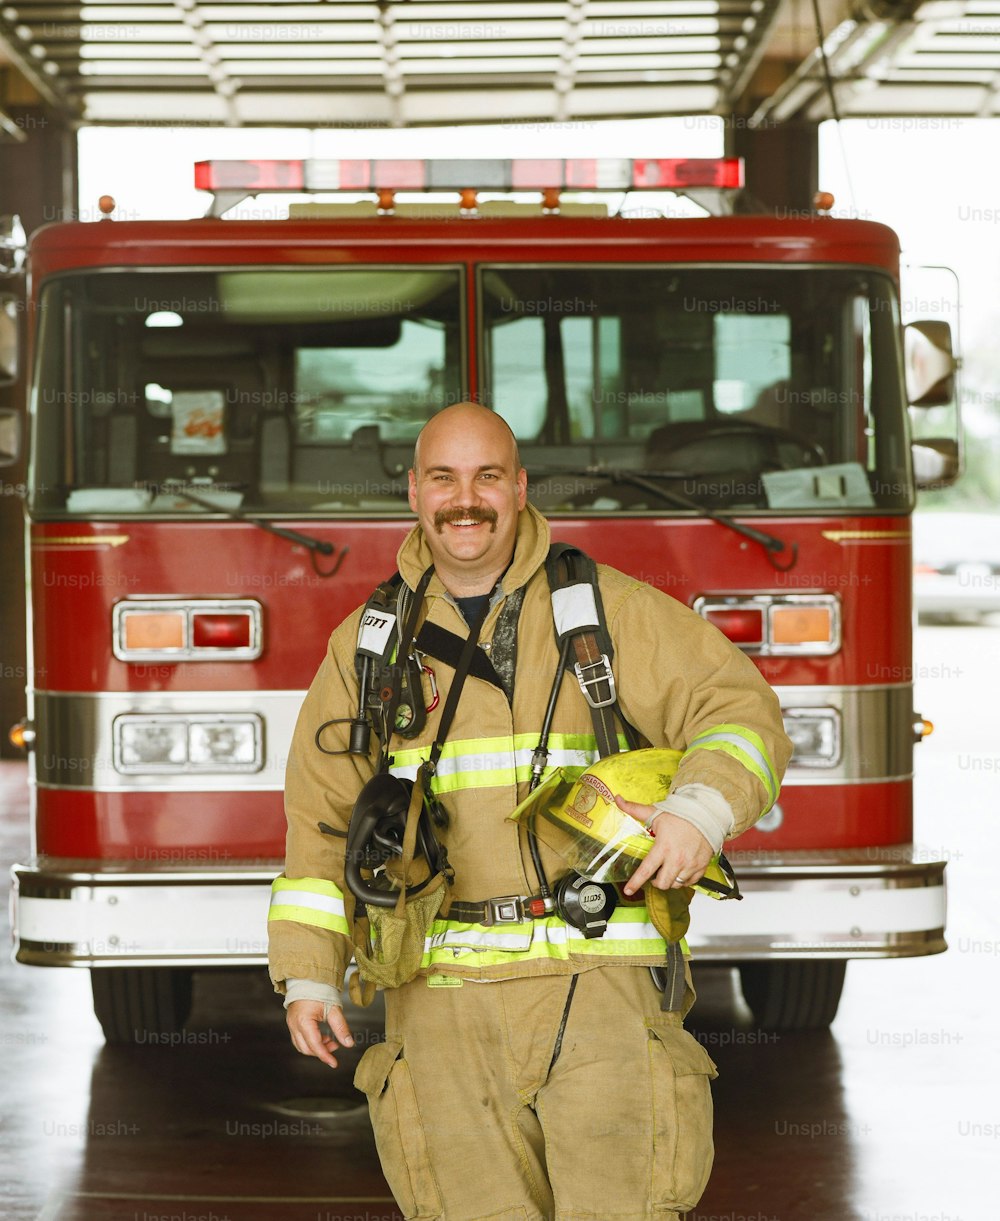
[522, 488]
[413, 490]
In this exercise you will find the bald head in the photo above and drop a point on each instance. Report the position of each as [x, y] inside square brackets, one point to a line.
[467, 489]
[462, 418]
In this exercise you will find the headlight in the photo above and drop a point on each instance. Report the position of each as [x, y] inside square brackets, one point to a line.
[815, 735]
[177, 743]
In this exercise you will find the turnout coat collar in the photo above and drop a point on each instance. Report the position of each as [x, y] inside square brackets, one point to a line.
[531, 546]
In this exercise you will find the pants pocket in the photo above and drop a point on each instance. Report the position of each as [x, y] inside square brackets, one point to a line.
[384, 1076]
[683, 1150]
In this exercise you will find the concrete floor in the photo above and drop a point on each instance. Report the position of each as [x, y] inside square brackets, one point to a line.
[893, 1115]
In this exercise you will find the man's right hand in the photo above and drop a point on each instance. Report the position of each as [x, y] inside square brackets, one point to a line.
[304, 1018]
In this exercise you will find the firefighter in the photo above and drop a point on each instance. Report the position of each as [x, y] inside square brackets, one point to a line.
[529, 1069]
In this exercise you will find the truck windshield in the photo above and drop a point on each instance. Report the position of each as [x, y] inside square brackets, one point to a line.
[301, 390]
[269, 390]
[742, 388]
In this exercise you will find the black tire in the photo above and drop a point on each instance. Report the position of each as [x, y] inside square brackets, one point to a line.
[793, 995]
[141, 1004]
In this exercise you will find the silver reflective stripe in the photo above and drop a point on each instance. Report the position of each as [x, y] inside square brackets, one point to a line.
[476, 939]
[641, 930]
[550, 933]
[497, 761]
[735, 739]
[305, 898]
[406, 773]
[564, 757]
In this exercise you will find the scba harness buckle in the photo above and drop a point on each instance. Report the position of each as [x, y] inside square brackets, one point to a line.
[506, 909]
[591, 683]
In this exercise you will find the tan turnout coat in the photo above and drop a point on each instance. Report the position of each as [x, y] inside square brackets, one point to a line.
[677, 677]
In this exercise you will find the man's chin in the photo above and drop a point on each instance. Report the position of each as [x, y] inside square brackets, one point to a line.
[467, 548]
[474, 549]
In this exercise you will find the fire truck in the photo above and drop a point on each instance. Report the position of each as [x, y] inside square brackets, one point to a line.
[222, 415]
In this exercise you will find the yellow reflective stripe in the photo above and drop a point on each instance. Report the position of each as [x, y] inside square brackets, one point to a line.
[451, 942]
[457, 752]
[746, 748]
[308, 915]
[313, 901]
[314, 886]
[495, 778]
[475, 763]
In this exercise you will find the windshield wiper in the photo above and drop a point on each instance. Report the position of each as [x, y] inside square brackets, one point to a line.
[646, 480]
[313, 544]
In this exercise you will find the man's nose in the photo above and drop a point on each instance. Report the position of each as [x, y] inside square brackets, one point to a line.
[466, 491]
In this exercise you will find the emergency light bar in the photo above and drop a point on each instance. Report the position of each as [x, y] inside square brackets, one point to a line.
[577, 174]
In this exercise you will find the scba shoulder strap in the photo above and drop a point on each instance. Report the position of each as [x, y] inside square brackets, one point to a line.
[580, 627]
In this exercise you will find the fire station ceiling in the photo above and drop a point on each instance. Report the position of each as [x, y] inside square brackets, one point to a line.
[410, 62]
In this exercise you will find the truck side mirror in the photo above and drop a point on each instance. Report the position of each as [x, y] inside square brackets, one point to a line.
[10, 337]
[13, 251]
[10, 436]
[930, 364]
[13, 245]
[936, 462]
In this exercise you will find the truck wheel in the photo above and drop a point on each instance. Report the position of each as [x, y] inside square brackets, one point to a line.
[140, 1004]
[793, 995]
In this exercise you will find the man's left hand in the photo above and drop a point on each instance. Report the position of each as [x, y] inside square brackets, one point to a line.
[679, 856]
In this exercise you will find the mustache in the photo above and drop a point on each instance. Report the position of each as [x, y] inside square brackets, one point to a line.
[443, 516]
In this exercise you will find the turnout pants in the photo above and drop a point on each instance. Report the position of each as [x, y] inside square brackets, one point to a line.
[553, 1098]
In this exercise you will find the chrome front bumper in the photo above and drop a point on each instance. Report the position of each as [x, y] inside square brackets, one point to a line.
[872, 903]
[107, 916]
[879, 903]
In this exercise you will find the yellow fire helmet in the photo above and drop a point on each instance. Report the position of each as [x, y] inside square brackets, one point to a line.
[573, 812]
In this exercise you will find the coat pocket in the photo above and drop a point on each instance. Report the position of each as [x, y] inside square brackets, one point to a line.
[384, 1076]
[683, 1150]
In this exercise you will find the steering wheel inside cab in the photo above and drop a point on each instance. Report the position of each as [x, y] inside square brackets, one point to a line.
[721, 445]
[717, 463]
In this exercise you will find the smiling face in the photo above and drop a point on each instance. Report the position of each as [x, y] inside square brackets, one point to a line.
[467, 488]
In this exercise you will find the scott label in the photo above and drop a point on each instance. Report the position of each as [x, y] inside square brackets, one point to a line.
[376, 628]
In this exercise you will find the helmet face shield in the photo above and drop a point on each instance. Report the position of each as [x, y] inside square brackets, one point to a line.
[589, 832]
[573, 812]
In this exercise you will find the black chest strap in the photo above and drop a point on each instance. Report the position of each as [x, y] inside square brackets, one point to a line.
[442, 645]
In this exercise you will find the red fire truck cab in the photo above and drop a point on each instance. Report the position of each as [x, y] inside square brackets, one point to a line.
[222, 416]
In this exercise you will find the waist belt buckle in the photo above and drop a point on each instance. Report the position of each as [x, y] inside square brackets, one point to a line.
[506, 909]
[604, 675]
